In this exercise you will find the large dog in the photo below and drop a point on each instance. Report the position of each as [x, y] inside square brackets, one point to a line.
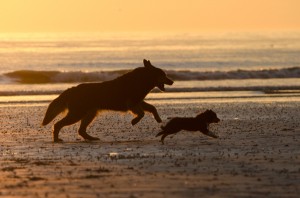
[199, 123]
[125, 93]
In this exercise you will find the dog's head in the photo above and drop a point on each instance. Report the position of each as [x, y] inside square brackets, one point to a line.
[160, 77]
[210, 116]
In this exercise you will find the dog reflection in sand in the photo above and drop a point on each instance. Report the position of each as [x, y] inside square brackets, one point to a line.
[199, 123]
[125, 93]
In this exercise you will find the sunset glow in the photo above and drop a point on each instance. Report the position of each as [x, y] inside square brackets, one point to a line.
[136, 15]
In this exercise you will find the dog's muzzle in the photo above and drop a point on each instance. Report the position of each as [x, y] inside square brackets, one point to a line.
[166, 81]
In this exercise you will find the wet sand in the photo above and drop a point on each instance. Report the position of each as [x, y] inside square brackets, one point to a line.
[257, 154]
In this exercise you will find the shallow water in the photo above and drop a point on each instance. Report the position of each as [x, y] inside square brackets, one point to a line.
[172, 98]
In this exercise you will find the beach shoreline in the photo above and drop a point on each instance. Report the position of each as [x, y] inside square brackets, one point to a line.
[257, 154]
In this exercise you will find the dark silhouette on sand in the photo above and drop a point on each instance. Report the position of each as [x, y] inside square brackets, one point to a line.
[125, 93]
[199, 123]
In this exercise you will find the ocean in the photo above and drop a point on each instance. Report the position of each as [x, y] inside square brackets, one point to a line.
[36, 67]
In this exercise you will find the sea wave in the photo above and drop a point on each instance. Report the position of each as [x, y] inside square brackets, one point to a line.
[39, 77]
[291, 90]
[263, 89]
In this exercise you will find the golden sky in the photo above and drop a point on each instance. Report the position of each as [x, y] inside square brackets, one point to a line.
[148, 15]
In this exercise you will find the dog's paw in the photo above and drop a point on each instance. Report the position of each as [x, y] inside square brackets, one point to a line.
[211, 134]
[92, 138]
[134, 122]
[58, 140]
[157, 118]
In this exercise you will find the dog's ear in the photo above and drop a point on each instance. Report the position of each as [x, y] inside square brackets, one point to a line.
[147, 63]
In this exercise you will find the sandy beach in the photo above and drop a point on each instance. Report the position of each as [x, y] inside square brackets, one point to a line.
[257, 154]
[240, 60]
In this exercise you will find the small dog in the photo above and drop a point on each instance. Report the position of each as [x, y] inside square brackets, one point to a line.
[199, 123]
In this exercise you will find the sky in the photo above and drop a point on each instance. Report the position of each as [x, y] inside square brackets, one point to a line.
[148, 15]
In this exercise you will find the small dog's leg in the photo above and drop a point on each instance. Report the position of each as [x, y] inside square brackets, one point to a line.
[163, 137]
[167, 132]
[139, 112]
[150, 108]
[84, 123]
[210, 134]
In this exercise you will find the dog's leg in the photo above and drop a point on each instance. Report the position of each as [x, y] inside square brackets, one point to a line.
[150, 108]
[163, 137]
[139, 112]
[165, 133]
[209, 133]
[68, 120]
[85, 121]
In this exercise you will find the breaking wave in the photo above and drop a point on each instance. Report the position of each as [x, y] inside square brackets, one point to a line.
[39, 77]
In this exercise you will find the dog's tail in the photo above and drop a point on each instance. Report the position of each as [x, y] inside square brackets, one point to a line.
[162, 132]
[57, 106]
[159, 134]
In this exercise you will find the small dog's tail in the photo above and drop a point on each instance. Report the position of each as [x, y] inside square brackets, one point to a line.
[159, 134]
[162, 132]
[57, 106]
